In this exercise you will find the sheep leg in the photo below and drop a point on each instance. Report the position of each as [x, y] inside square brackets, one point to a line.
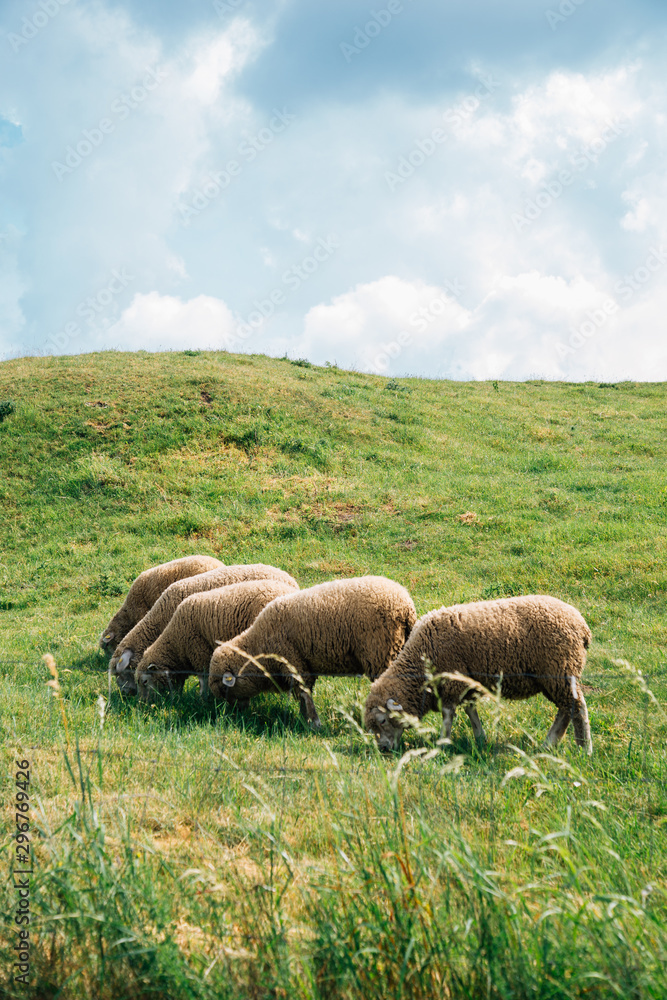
[582, 728]
[203, 685]
[560, 724]
[303, 692]
[307, 708]
[301, 685]
[448, 712]
[475, 722]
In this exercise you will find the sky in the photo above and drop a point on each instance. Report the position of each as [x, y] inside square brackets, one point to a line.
[412, 187]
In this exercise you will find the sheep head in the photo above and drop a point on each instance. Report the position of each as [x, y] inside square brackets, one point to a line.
[153, 680]
[231, 677]
[385, 724]
[122, 670]
[116, 630]
[107, 640]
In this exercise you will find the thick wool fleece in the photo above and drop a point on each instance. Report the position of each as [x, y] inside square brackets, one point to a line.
[340, 628]
[145, 591]
[202, 621]
[151, 625]
[522, 645]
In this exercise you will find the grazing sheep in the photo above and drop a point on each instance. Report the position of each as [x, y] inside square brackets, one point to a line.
[198, 624]
[127, 654]
[518, 645]
[341, 628]
[145, 591]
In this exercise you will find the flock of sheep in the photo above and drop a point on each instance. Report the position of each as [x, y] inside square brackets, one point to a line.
[246, 629]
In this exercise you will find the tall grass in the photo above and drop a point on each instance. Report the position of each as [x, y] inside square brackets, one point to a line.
[398, 901]
[416, 912]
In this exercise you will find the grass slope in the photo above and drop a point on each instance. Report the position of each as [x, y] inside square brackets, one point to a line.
[190, 850]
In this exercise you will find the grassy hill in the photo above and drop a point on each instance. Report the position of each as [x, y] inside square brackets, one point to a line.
[191, 850]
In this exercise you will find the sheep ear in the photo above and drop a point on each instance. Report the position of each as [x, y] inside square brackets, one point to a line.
[394, 706]
[124, 661]
[107, 637]
[228, 679]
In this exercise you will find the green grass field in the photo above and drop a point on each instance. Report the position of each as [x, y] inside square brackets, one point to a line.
[191, 850]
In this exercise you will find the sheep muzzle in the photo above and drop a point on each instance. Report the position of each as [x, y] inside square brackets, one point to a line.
[387, 731]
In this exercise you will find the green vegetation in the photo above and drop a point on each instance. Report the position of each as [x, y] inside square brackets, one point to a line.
[192, 850]
[6, 409]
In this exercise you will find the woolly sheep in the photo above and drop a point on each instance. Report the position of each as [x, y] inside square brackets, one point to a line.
[340, 628]
[521, 645]
[127, 654]
[145, 591]
[198, 624]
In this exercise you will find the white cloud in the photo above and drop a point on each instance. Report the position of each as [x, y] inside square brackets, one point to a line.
[377, 323]
[569, 110]
[528, 326]
[514, 331]
[215, 60]
[639, 215]
[647, 201]
[155, 322]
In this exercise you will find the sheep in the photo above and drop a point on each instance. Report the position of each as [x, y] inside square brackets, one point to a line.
[340, 628]
[186, 645]
[145, 591]
[129, 652]
[519, 646]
